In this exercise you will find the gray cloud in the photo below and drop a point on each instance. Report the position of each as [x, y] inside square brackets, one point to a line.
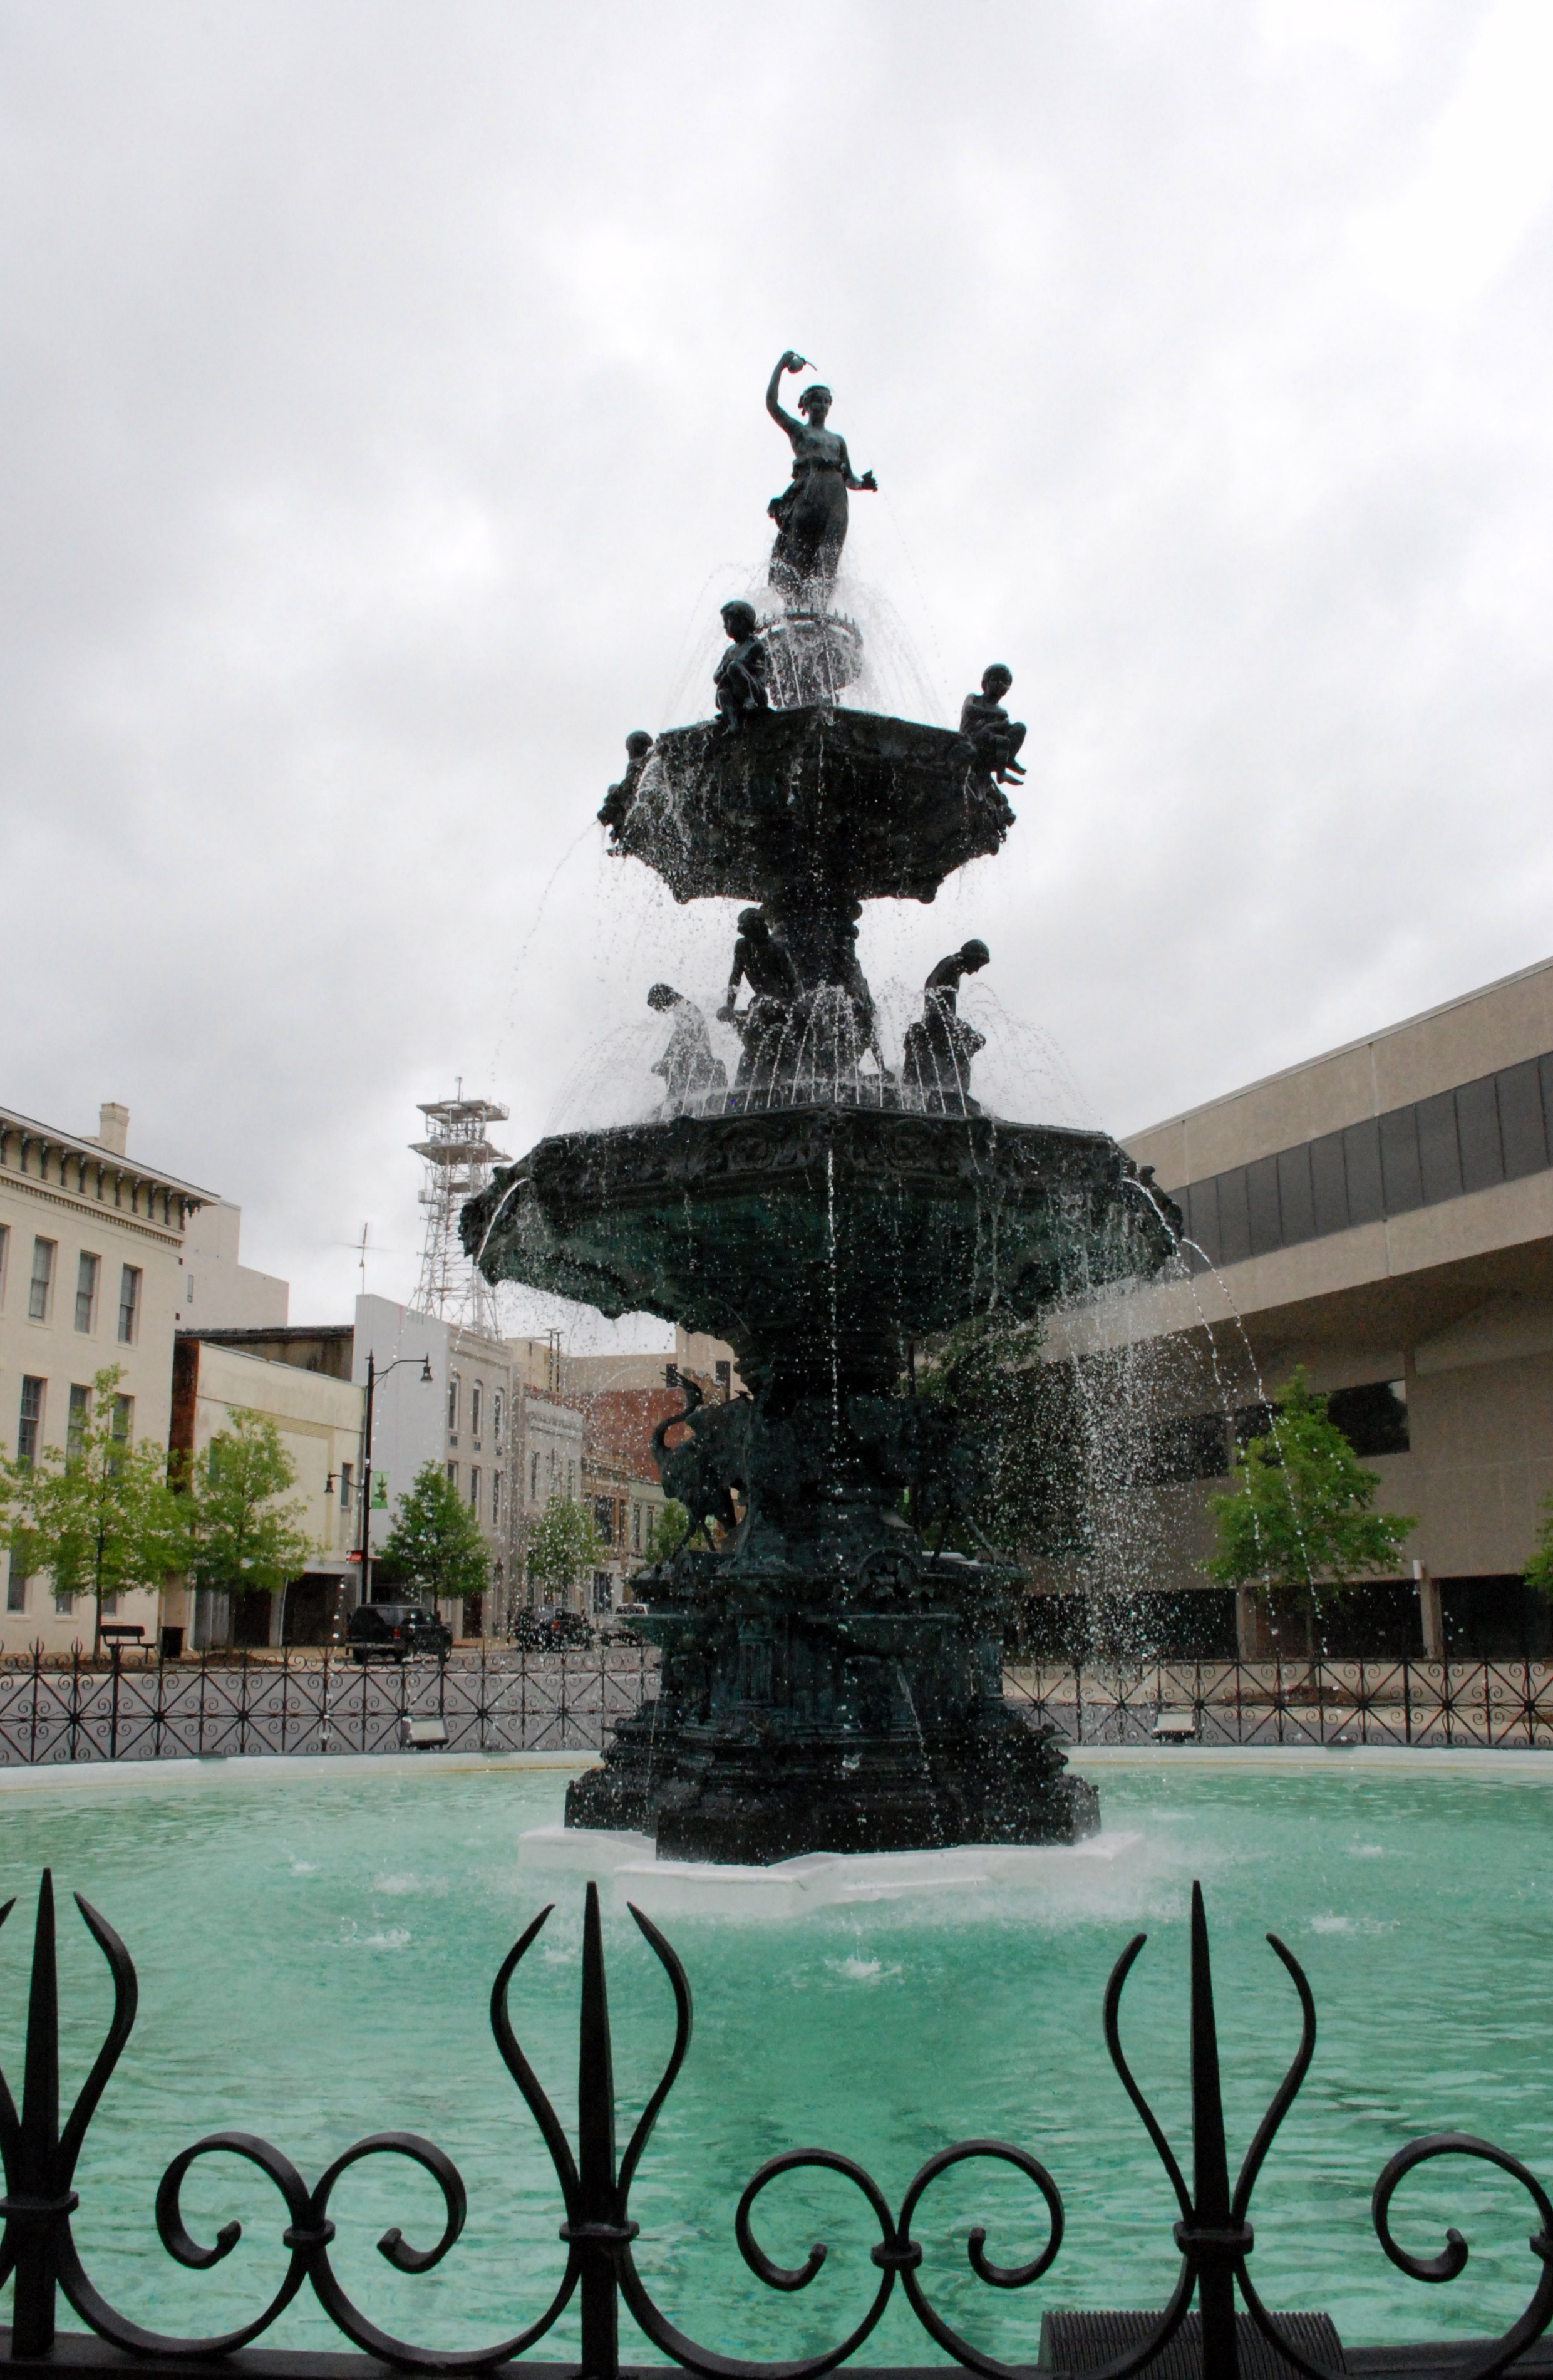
[382, 422]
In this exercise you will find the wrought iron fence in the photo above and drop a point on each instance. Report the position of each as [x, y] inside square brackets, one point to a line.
[144, 1708]
[1213, 2234]
[1498, 1705]
[141, 1707]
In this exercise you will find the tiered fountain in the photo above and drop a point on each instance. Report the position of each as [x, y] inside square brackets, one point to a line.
[828, 1682]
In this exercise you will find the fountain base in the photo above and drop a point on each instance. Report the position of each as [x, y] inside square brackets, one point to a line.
[748, 1797]
[778, 1732]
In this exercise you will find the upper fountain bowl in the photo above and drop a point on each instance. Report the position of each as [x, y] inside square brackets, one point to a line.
[869, 807]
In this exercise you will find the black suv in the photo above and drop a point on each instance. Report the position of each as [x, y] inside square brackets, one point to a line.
[392, 1632]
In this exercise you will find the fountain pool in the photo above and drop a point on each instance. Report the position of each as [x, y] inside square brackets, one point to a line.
[315, 1948]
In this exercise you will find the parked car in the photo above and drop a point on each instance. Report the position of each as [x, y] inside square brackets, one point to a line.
[548, 1631]
[392, 1631]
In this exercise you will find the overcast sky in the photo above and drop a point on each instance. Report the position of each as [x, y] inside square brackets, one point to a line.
[383, 424]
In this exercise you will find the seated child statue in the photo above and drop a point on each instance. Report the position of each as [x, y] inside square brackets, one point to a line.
[740, 676]
[618, 801]
[767, 966]
[987, 727]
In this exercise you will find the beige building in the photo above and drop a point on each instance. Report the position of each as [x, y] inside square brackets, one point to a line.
[91, 1243]
[318, 1418]
[442, 1394]
[1383, 1215]
[217, 1290]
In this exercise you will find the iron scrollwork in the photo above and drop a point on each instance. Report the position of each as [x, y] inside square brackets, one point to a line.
[1214, 2232]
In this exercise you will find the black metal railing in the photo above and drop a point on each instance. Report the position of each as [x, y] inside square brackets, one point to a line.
[1483, 1705]
[69, 1708]
[144, 1708]
[1213, 2234]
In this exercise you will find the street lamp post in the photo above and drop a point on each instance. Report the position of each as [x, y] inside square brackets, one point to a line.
[373, 1375]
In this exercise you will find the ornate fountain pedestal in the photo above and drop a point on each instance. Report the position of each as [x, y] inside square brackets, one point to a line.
[860, 1731]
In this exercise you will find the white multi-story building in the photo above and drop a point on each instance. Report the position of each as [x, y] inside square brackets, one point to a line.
[589, 1421]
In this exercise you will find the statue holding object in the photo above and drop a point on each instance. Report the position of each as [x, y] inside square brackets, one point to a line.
[812, 512]
[993, 737]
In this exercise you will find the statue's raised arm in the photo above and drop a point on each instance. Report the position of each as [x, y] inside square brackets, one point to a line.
[786, 362]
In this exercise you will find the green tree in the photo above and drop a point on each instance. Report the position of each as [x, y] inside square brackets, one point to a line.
[99, 1516]
[1539, 1572]
[435, 1541]
[240, 1536]
[667, 1528]
[1299, 1514]
[563, 1544]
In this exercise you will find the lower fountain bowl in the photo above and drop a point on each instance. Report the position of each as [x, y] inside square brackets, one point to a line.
[825, 1234]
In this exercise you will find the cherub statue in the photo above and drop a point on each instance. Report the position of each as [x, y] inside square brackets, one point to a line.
[810, 514]
[740, 676]
[693, 1079]
[987, 727]
[940, 1048]
[618, 801]
[766, 966]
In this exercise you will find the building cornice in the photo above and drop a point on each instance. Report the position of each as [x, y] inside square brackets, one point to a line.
[73, 1205]
[37, 1156]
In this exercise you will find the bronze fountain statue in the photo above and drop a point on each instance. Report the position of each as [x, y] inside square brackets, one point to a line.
[830, 1676]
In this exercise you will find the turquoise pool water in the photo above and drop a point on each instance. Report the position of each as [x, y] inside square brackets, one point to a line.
[315, 1948]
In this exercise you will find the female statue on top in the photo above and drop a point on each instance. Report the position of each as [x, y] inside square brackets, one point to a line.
[810, 514]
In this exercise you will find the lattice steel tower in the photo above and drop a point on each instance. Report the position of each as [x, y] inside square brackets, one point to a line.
[458, 1156]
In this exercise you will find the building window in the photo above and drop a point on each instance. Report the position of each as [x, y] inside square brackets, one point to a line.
[348, 1480]
[725, 1381]
[533, 1479]
[453, 1400]
[477, 1399]
[29, 1423]
[1497, 1128]
[474, 1490]
[42, 1285]
[496, 1411]
[603, 1592]
[129, 1306]
[452, 1476]
[635, 1527]
[603, 1519]
[123, 1419]
[64, 1605]
[5, 1251]
[16, 1588]
[571, 1480]
[87, 1269]
[81, 1413]
[495, 1499]
[1373, 1418]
